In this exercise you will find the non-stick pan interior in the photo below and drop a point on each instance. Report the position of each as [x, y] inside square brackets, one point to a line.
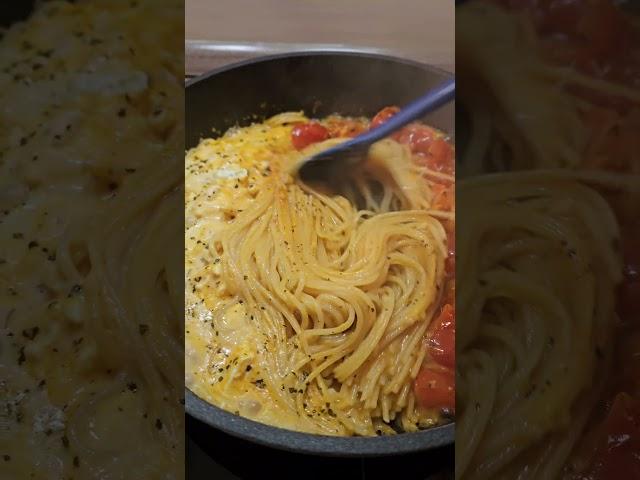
[12, 12]
[318, 84]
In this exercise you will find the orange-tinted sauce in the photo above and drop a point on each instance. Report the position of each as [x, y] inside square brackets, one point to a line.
[435, 384]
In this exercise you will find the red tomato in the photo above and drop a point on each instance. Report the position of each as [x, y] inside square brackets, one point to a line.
[451, 259]
[434, 152]
[631, 252]
[417, 136]
[383, 115]
[443, 197]
[619, 452]
[629, 303]
[442, 344]
[304, 134]
[434, 388]
[439, 156]
[629, 299]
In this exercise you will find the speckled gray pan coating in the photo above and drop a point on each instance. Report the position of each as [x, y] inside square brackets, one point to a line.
[316, 444]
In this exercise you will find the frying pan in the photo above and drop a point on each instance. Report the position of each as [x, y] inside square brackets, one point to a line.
[320, 84]
[12, 12]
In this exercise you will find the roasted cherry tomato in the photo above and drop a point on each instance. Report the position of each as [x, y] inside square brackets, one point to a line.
[450, 263]
[417, 136]
[443, 196]
[304, 134]
[442, 344]
[629, 303]
[629, 299]
[434, 388]
[618, 453]
[631, 252]
[439, 156]
[431, 150]
[383, 115]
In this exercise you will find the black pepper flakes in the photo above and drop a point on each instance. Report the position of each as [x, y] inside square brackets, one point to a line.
[143, 328]
[158, 424]
[76, 461]
[30, 333]
[21, 356]
[75, 289]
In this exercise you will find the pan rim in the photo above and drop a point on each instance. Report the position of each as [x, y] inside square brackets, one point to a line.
[301, 442]
[314, 444]
[325, 53]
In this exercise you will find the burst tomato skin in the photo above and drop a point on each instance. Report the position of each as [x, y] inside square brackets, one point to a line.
[434, 388]
[435, 384]
[439, 156]
[383, 115]
[442, 344]
[304, 134]
[618, 454]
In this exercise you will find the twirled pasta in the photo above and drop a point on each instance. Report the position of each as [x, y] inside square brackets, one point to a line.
[535, 313]
[321, 303]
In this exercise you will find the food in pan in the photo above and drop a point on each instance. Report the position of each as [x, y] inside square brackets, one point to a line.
[548, 374]
[91, 350]
[322, 307]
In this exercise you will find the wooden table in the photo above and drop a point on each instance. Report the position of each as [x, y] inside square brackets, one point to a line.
[223, 31]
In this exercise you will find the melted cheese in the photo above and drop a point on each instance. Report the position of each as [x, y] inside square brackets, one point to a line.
[222, 178]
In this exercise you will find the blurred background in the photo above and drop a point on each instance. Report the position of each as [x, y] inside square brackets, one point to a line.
[223, 31]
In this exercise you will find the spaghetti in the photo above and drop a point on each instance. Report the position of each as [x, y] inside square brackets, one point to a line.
[543, 255]
[91, 377]
[308, 308]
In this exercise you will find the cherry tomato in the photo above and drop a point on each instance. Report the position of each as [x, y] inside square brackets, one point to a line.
[631, 252]
[618, 453]
[443, 197]
[629, 299]
[417, 136]
[442, 344]
[439, 156]
[451, 259]
[383, 115]
[304, 134]
[434, 388]
[629, 303]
